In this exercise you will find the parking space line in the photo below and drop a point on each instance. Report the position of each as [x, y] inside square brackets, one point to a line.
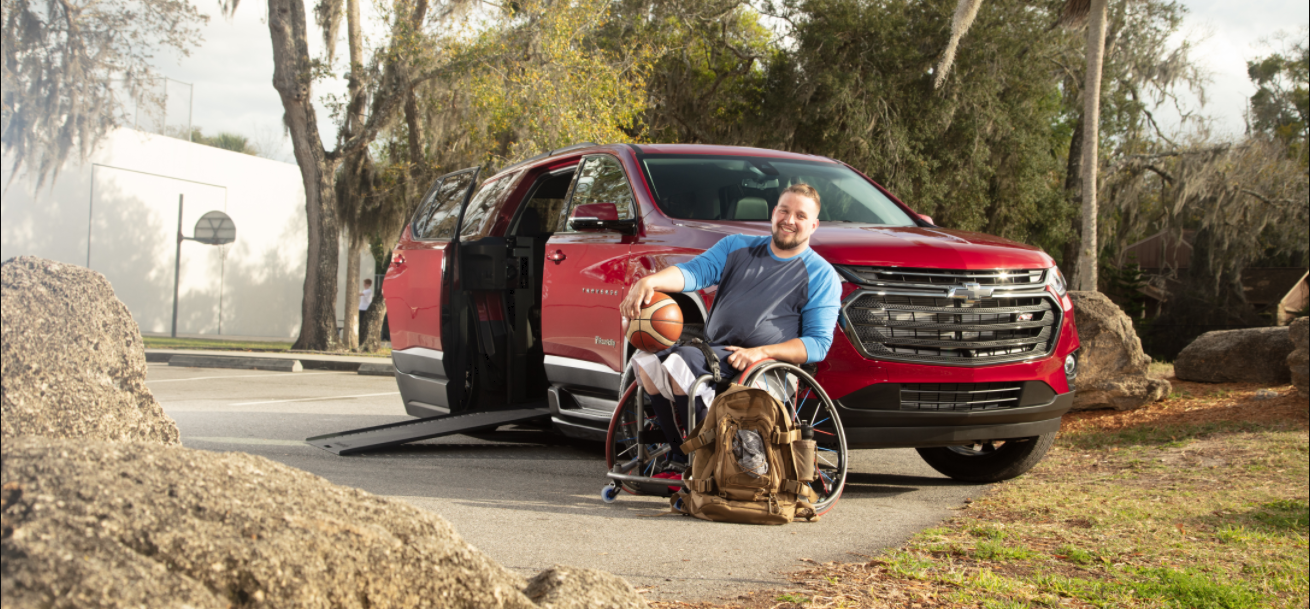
[330, 397]
[246, 376]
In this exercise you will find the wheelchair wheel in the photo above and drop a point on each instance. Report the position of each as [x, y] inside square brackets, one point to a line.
[807, 401]
[635, 442]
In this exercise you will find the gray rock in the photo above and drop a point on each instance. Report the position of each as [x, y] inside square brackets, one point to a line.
[1249, 355]
[1298, 362]
[73, 362]
[574, 588]
[1111, 364]
[89, 523]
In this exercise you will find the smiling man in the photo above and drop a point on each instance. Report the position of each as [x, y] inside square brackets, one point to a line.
[776, 299]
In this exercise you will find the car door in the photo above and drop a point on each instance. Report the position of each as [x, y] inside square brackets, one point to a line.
[415, 288]
[585, 279]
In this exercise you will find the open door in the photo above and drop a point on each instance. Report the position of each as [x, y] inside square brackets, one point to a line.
[417, 289]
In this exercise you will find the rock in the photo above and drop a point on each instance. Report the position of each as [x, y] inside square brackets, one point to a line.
[1112, 368]
[88, 523]
[1299, 360]
[573, 588]
[1249, 355]
[73, 361]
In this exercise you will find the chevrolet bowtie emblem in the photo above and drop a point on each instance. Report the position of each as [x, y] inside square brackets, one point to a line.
[971, 292]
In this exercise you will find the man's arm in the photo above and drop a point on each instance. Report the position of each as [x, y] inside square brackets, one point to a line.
[667, 280]
[792, 352]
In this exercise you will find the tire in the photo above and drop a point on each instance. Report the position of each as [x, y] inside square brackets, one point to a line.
[990, 461]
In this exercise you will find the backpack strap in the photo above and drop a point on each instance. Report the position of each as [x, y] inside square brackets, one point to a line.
[702, 486]
[799, 488]
[706, 438]
[783, 438]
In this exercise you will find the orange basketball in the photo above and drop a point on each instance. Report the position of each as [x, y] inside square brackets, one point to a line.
[658, 326]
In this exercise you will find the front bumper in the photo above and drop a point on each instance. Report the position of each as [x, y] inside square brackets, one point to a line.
[867, 428]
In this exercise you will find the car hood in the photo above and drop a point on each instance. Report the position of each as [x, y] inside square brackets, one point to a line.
[909, 247]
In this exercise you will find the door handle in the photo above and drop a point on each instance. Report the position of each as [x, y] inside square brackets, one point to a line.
[398, 261]
[557, 257]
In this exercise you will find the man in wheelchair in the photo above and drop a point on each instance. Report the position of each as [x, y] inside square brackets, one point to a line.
[776, 299]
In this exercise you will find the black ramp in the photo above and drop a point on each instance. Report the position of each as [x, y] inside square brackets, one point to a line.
[395, 434]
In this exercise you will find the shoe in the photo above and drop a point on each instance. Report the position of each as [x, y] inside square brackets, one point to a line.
[670, 475]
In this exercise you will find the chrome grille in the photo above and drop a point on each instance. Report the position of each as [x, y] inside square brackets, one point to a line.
[1010, 325]
[959, 397]
[881, 275]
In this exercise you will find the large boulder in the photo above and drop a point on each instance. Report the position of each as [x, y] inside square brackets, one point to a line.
[73, 362]
[573, 588]
[1111, 364]
[135, 524]
[1249, 355]
[1298, 362]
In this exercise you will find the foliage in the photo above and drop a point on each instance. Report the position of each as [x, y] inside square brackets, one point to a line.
[1281, 104]
[68, 67]
[223, 139]
[541, 79]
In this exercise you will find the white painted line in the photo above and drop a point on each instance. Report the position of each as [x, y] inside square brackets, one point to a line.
[330, 397]
[255, 441]
[246, 376]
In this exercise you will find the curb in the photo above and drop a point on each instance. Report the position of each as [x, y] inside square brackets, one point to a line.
[277, 364]
[241, 363]
[378, 369]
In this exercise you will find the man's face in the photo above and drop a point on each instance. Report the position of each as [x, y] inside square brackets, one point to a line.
[794, 220]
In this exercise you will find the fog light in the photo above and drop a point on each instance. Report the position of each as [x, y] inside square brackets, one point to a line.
[1071, 367]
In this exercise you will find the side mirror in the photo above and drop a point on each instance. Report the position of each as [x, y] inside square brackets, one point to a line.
[599, 216]
[927, 219]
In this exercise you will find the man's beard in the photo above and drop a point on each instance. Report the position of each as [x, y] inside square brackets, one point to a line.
[786, 241]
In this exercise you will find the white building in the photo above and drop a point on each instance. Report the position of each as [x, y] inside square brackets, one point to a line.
[117, 214]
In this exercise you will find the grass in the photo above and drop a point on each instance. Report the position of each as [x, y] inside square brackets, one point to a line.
[1198, 502]
[163, 342]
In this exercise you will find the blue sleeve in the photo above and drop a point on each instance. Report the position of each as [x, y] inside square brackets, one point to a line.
[706, 269]
[819, 316]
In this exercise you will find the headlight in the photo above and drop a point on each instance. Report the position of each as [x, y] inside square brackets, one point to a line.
[1055, 279]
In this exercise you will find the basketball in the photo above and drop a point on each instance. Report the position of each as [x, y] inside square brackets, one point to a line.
[658, 326]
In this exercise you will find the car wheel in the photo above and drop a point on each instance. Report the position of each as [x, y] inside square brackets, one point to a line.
[988, 461]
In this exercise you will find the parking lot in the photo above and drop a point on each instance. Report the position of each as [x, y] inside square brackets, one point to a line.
[530, 498]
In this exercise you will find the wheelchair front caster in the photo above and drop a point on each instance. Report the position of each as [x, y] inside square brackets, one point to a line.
[609, 493]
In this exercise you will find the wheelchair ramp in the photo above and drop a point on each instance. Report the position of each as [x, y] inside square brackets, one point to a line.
[384, 436]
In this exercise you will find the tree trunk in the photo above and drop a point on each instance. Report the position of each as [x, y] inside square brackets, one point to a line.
[350, 328]
[1088, 249]
[1073, 185]
[291, 79]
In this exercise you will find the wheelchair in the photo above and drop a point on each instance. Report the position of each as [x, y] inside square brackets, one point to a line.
[636, 448]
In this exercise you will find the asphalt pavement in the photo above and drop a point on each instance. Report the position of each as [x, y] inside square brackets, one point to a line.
[530, 497]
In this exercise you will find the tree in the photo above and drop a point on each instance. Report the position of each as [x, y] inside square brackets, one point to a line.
[1281, 104]
[1075, 12]
[398, 69]
[69, 66]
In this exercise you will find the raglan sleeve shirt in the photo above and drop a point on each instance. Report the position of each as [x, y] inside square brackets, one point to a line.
[766, 314]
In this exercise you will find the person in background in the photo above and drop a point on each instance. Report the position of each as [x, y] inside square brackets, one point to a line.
[365, 299]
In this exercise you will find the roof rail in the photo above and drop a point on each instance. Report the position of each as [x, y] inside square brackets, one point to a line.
[550, 153]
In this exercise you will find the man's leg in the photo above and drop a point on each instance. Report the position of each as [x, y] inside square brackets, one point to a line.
[664, 412]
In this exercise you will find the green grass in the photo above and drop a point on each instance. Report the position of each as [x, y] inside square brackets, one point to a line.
[159, 342]
[1183, 516]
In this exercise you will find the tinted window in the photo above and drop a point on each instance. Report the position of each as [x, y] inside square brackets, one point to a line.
[481, 210]
[601, 180]
[440, 208]
[746, 188]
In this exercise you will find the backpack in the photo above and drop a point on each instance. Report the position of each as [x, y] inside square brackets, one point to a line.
[750, 463]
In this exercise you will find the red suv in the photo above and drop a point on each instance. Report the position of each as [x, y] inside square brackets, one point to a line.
[504, 293]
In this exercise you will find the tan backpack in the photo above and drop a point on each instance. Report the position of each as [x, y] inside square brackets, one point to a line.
[750, 463]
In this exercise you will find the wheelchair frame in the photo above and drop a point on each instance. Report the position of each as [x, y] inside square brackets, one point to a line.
[831, 478]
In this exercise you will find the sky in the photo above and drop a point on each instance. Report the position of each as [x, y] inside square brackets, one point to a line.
[231, 72]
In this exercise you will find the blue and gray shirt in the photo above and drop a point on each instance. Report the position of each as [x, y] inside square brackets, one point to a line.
[763, 299]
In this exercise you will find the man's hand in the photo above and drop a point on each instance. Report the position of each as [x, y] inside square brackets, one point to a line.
[742, 358]
[638, 297]
[667, 280]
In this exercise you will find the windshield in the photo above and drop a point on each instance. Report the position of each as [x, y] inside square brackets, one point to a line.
[695, 187]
